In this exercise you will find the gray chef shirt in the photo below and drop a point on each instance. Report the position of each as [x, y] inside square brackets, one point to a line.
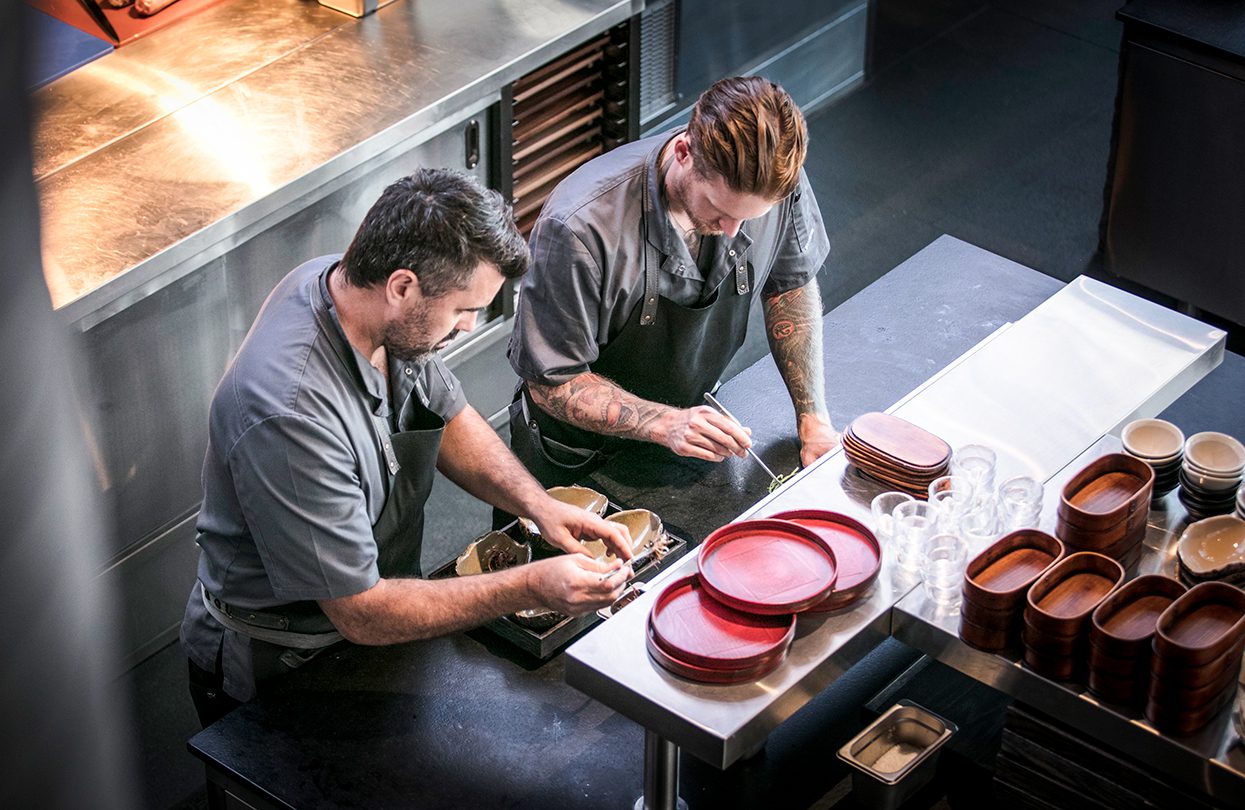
[295, 475]
[588, 260]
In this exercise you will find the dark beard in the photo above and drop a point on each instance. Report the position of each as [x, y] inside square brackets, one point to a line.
[407, 342]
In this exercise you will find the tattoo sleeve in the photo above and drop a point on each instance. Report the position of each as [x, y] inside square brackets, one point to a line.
[595, 403]
[793, 325]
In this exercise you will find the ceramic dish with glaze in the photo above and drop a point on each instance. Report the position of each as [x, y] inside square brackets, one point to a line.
[1215, 454]
[1213, 548]
[1154, 440]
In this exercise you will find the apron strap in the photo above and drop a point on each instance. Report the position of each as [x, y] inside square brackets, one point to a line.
[648, 307]
[270, 627]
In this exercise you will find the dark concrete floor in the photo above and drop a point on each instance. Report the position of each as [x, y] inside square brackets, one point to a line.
[989, 121]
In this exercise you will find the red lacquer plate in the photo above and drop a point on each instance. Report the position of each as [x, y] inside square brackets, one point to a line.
[688, 624]
[767, 566]
[707, 674]
[857, 555]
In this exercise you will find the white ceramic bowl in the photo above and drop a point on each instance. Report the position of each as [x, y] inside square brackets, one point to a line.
[1215, 484]
[1154, 440]
[1214, 453]
[1213, 547]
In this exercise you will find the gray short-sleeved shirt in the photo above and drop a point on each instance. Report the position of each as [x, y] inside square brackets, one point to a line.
[294, 476]
[587, 251]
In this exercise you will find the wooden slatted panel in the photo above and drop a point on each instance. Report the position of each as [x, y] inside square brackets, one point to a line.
[562, 117]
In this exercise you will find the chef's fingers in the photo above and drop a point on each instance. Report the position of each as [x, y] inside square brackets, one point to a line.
[727, 432]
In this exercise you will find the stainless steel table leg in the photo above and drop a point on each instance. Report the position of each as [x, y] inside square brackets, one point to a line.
[661, 775]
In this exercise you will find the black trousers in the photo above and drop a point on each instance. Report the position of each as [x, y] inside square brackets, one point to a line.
[207, 690]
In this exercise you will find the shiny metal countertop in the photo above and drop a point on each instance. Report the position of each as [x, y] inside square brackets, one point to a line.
[1212, 760]
[1110, 356]
[162, 154]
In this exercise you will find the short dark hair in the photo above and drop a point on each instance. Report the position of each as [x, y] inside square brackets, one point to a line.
[439, 224]
[749, 131]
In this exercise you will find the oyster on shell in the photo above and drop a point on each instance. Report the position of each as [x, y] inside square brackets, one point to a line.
[1214, 548]
[648, 536]
[492, 552]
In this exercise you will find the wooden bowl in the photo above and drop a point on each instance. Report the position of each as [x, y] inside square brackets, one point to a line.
[1109, 540]
[1124, 623]
[990, 618]
[1174, 695]
[1180, 722]
[988, 639]
[999, 577]
[1131, 667]
[1116, 689]
[1062, 600]
[1203, 624]
[1052, 645]
[1193, 676]
[1055, 667]
[1107, 492]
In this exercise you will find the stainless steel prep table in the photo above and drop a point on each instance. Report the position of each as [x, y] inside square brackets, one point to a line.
[1039, 391]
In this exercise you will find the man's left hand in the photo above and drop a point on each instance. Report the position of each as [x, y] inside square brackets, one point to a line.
[817, 437]
[563, 525]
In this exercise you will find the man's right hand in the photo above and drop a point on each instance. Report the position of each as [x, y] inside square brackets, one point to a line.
[701, 432]
[574, 584]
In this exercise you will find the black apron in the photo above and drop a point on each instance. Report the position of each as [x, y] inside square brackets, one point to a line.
[285, 637]
[666, 353]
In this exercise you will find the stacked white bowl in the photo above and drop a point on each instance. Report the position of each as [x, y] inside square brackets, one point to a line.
[1160, 444]
[1240, 512]
[1211, 473]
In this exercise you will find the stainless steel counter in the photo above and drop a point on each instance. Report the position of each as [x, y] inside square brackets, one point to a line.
[1041, 391]
[159, 157]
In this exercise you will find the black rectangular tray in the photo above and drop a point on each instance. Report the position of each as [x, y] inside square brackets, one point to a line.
[546, 643]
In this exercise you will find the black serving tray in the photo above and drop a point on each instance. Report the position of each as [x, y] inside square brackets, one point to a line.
[545, 643]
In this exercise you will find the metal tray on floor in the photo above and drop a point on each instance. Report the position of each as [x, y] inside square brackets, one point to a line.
[546, 643]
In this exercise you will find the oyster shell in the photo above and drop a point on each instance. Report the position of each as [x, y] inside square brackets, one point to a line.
[648, 536]
[1213, 548]
[492, 552]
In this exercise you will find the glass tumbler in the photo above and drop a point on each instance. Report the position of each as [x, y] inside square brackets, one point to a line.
[1020, 502]
[883, 508]
[942, 573]
[975, 462]
[951, 496]
[915, 522]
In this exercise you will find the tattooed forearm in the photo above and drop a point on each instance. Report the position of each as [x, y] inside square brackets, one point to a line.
[793, 325]
[594, 403]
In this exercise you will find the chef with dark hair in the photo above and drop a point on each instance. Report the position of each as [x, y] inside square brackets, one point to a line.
[324, 435]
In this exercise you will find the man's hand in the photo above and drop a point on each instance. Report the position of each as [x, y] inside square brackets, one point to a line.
[574, 584]
[701, 432]
[563, 525]
[817, 437]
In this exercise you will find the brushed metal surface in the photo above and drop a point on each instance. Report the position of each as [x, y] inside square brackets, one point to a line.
[1210, 760]
[1128, 355]
[163, 182]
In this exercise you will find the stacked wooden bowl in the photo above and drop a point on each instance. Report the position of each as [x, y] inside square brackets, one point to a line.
[996, 584]
[1197, 646]
[1120, 636]
[1104, 508]
[896, 452]
[1057, 616]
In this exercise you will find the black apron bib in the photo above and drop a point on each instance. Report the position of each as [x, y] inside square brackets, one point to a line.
[666, 353]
